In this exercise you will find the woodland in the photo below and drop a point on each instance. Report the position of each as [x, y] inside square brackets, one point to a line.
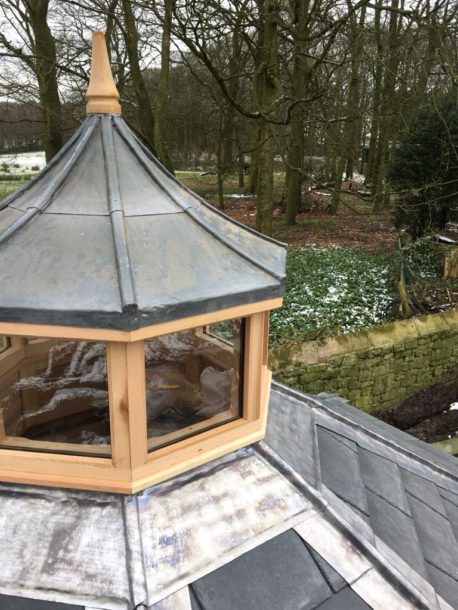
[331, 125]
[322, 123]
[315, 90]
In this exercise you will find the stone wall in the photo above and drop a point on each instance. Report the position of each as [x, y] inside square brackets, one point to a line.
[375, 369]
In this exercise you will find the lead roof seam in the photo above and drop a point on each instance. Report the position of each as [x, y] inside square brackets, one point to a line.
[205, 203]
[332, 516]
[142, 546]
[6, 202]
[138, 152]
[321, 570]
[314, 403]
[395, 453]
[99, 215]
[128, 553]
[376, 445]
[123, 266]
[316, 450]
[50, 191]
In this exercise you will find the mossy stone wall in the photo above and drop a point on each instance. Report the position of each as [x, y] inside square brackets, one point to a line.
[375, 369]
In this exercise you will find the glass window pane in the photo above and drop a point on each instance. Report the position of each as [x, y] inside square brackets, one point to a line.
[54, 397]
[193, 381]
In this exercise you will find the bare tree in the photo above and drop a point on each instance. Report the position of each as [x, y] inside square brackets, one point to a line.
[31, 41]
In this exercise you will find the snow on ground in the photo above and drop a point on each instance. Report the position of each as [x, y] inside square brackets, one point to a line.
[22, 163]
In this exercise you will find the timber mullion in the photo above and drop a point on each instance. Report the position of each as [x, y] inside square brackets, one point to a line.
[254, 341]
[136, 389]
[119, 407]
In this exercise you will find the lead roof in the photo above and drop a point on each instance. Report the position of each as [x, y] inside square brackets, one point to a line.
[105, 237]
[334, 510]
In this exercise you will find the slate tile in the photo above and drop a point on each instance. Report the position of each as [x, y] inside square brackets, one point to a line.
[333, 578]
[334, 547]
[383, 478]
[436, 537]
[397, 530]
[346, 599]
[280, 573]
[449, 496]
[357, 521]
[429, 452]
[349, 443]
[452, 514]
[340, 468]
[195, 604]
[23, 603]
[290, 432]
[445, 586]
[423, 490]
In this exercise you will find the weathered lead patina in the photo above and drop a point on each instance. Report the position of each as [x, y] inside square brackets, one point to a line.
[334, 510]
[105, 237]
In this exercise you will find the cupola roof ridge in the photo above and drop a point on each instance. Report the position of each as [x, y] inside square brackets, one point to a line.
[118, 242]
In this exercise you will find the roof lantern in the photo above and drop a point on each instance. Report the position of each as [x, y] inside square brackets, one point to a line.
[134, 315]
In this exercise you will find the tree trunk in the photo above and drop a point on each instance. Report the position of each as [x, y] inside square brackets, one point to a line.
[229, 110]
[44, 48]
[219, 158]
[144, 109]
[387, 109]
[254, 163]
[301, 75]
[269, 91]
[377, 95]
[161, 93]
[241, 171]
[335, 199]
[354, 128]
[264, 207]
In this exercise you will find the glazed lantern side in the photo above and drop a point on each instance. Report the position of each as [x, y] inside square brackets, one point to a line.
[124, 413]
[133, 316]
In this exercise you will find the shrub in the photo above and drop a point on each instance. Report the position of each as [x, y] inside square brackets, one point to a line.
[332, 291]
[424, 169]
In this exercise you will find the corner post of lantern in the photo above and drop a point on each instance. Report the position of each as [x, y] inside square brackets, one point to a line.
[255, 365]
[127, 399]
[118, 404]
[136, 391]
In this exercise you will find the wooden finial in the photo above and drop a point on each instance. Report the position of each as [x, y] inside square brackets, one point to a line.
[102, 95]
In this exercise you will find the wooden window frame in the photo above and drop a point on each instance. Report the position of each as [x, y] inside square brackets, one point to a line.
[131, 468]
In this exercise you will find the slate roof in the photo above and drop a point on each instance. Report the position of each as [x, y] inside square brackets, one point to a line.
[334, 510]
[105, 237]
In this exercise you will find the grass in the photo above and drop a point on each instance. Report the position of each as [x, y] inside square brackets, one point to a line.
[8, 187]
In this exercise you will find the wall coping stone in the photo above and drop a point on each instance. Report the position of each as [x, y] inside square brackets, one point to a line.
[386, 335]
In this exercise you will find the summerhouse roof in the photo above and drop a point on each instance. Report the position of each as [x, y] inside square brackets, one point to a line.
[104, 236]
[335, 510]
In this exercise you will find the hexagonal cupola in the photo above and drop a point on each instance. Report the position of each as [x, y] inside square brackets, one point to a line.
[133, 316]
